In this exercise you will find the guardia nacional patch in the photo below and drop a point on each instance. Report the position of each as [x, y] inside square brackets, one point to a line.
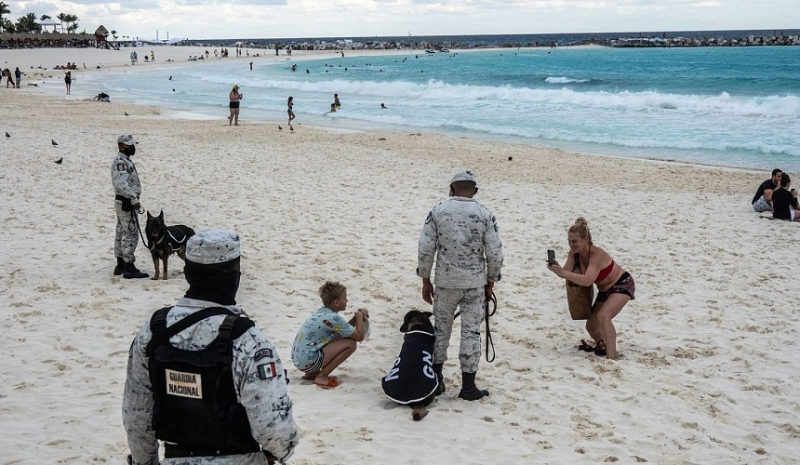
[263, 353]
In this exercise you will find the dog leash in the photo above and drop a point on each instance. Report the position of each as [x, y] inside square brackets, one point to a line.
[135, 215]
[486, 314]
[493, 301]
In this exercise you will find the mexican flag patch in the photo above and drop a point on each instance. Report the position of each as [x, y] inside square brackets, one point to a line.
[266, 371]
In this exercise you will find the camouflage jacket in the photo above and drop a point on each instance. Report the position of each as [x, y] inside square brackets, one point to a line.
[265, 398]
[463, 236]
[125, 178]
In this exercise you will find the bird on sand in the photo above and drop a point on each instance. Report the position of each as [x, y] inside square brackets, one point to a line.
[52, 141]
[280, 128]
[8, 136]
[58, 162]
[126, 114]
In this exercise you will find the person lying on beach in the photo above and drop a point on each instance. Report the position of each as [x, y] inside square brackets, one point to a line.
[784, 201]
[326, 339]
[102, 97]
[762, 201]
[615, 287]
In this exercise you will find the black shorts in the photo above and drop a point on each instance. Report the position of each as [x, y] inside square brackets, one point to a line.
[234, 104]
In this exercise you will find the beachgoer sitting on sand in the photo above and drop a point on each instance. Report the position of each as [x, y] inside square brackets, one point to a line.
[762, 201]
[784, 201]
[326, 339]
[615, 287]
[102, 97]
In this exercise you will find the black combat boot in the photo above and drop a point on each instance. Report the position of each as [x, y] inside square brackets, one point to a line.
[120, 268]
[131, 272]
[437, 368]
[468, 389]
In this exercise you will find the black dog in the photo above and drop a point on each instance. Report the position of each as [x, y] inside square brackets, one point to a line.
[165, 240]
[411, 380]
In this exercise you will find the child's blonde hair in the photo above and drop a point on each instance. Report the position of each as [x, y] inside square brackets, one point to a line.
[331, 291]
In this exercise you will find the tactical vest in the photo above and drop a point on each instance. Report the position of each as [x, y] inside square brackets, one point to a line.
[195, 403]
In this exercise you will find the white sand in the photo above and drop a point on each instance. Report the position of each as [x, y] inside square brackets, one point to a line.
[709, 367]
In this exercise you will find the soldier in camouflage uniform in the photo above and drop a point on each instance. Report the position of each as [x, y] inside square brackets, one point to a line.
[126, 203]
[463, 237]
[236, 411]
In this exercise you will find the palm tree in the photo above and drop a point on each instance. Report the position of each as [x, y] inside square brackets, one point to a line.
[72, 19]
[114, 34]
[3, 11]
[28, 23]
[44, 17]
[63, 18]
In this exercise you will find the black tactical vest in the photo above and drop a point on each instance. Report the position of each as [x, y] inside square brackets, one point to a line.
[195, 399]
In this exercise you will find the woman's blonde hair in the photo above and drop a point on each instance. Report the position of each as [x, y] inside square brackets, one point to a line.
[581, 229]
[331, 291]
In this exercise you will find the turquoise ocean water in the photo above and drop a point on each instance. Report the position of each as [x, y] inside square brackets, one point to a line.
[731, 106]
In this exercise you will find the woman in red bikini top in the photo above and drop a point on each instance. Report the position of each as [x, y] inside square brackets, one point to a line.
[615, 286]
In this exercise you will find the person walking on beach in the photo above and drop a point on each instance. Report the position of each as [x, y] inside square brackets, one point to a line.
[133, 60]
[235, 97]
[762, 201]
[68, 81]
[326, 339]
[9, 79]
[202, 378]
[18, 75]
[615, 286]
[463, 238]
[290, 111]
[127, 190]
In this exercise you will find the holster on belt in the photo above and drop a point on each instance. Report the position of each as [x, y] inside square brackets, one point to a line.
[126, 203]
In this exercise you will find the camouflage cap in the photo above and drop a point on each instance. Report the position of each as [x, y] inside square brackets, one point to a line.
[463, 175]
[211, 246]
[125, 139]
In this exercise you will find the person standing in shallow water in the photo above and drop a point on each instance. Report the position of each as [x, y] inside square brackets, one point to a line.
[68, 81]
[615, 286]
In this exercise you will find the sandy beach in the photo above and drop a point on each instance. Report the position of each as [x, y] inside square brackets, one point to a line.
[708, 371]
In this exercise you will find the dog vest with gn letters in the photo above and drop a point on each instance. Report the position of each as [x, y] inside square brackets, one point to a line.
[412, 379]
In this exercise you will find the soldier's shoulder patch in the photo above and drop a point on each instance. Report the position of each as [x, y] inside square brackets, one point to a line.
[122, 167]
[266, 371]
[262, 353]
[429, 218]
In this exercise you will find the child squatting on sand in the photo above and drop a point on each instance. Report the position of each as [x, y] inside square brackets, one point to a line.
[326, 339]
[615, 286]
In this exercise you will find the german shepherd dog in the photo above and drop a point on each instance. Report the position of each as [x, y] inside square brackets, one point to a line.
[412, 381]
[165, 240]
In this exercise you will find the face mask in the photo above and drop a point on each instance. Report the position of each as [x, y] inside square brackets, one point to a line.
[129, 151]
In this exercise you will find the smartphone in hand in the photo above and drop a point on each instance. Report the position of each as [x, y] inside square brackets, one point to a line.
[551, 257]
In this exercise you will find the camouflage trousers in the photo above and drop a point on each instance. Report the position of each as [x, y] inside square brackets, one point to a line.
[470, 301]
[127, 236]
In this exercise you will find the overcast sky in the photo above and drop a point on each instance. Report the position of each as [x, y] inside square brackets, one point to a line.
[217, 19]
